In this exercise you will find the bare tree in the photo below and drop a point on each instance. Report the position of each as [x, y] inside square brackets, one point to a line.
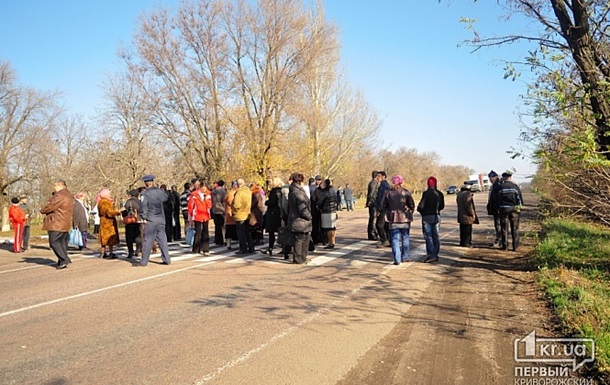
[25, 114]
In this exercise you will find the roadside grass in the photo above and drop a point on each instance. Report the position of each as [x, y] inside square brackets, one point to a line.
[574, 260]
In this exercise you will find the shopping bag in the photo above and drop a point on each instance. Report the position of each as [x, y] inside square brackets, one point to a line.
[76, 238]
[190, 236]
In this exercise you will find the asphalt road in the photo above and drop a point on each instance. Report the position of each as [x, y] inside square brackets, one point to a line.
[223, 319]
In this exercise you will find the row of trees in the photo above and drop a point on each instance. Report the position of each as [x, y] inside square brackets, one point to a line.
[216, 88]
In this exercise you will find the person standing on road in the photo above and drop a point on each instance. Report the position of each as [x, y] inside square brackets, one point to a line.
[467, 215]
[381, 226]
[398, 206]
[184, 201]
[175, 198]
[152, 213]
[80, 218]
[200, 203]
[132, 230]
[273, 216]
[430, 207]
[109, 231]
[240, 207]
[58, 222]
[509, 201]
[299, 218]
[492, 208]
[17, 218]
[23, 204]
[219, 209]
[348, 194]
[371, 198]
[327, 204]
[230, 226]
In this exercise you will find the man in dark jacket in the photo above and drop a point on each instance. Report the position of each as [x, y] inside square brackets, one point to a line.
[371, 198]
[430, 207]
[492, 208]
[219, 208]
[152, 213]
[184, 198]
[175, 198]
[509, 201]
[58, 222]
[383, 230]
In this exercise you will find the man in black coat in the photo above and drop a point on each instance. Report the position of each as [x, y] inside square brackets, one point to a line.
[371, 198]
[509, 201]
[153, 215]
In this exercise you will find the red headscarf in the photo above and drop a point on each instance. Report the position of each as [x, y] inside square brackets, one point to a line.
[432, 182]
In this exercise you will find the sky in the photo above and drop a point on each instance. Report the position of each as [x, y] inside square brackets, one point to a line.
[430, 93]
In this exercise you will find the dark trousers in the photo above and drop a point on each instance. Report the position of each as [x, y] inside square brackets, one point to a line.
[25, 241]
[465, 235]
[201, 243]
[133, 235]
[169, 228]
[246, 243]
[177, 230]
[372, 232]
[154, 232]
[301, 247]
[316, 221]
[382, 228]
[219, 227]
[498, 229]
[185, 216]
[58, 240]
[511, 219]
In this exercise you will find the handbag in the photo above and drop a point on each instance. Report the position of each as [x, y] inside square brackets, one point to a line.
[285, 237]
[75, 237]
[130, 219]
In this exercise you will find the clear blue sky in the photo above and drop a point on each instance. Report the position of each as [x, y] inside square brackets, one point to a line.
[431, 94]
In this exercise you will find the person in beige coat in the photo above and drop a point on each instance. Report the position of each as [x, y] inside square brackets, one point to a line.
[58, 222]
[467, 215]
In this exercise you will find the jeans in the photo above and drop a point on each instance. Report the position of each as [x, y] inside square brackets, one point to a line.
[400, 247]
[431, 226]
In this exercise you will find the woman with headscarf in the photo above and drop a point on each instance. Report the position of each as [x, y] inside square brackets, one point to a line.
[273, 216]
[80, 218]
[398, 206]
[109, 232]
[327, 204]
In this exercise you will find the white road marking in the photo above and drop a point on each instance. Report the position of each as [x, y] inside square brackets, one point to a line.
[87, 293]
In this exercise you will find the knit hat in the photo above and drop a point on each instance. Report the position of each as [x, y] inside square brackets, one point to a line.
[397, 179]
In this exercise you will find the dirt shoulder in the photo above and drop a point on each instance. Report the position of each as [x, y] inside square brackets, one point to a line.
[462, 330]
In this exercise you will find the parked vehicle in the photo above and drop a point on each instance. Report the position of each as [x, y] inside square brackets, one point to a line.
[453, 189]
[475, 186]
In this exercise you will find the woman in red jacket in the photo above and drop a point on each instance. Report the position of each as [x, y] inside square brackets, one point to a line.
[17, 217]
[199, 205]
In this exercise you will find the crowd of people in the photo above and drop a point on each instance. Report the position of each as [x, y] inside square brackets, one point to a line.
[298, 215]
